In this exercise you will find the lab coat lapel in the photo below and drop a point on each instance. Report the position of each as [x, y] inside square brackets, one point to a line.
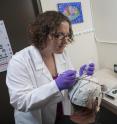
[39, 63]
[60, 63]
[46, 72]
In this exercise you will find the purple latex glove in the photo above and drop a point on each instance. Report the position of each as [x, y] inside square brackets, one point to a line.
[66, 79]
[87, 69]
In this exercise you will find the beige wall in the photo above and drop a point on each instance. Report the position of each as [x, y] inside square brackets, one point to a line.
[105, 23]
[84, 48]
[107, 54]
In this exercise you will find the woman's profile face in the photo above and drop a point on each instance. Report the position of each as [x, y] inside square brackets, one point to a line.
[59, 39]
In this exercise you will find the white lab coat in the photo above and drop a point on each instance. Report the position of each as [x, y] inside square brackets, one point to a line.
[33, 92]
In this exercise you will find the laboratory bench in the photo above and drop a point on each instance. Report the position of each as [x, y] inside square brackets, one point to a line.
[108, 78]
[108, 111]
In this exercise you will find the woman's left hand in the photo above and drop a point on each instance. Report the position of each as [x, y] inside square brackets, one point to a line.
[87, 69]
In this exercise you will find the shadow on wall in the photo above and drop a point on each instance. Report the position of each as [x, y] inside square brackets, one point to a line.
[6, 111]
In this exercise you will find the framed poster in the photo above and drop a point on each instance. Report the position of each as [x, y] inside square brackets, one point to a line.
[5, 48]
[72, 10]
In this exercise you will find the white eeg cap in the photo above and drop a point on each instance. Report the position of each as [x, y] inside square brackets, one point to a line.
[85, 92]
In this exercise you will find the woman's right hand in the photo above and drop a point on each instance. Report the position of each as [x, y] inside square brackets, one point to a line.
[66, 80]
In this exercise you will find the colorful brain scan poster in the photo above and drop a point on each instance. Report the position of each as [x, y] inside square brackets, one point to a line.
[72, 10]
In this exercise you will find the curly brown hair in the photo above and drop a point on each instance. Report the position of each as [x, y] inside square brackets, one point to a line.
[46, 23]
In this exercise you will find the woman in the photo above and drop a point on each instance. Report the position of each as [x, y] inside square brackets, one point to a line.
[37, 74]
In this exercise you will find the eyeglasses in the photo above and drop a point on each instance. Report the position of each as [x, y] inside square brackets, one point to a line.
[61, 36]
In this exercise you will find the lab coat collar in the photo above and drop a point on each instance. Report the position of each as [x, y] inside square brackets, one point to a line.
[60, 62]
[36, 58]
[39, 63]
